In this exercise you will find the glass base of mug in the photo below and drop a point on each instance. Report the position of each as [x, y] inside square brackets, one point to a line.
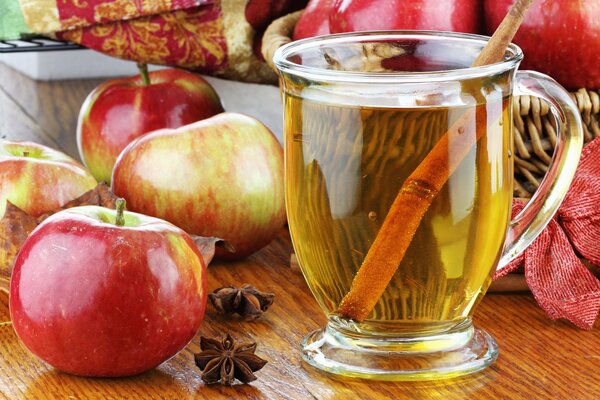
[452, 354]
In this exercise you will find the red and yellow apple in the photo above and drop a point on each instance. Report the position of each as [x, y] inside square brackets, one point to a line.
[560, 38]
[221, 177]
[98, 293]
[38, 179]
[445, 15]
[120, 110]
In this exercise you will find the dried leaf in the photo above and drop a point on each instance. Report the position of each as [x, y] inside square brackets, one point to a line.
[106, 198]
[15, 227]
[98, 196]
[208, 245]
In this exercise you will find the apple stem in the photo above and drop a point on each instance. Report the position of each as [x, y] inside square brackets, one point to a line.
[119, 218]
[143, 67]
[25, 153]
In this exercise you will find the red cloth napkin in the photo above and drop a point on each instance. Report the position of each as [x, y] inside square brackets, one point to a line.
[559, 281]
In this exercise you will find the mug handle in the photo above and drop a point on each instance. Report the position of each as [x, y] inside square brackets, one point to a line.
[540, 209]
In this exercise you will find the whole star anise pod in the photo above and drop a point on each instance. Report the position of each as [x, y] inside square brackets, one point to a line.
[222, 361]
[246, 301]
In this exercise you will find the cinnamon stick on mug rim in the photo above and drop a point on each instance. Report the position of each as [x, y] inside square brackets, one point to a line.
[421, 187]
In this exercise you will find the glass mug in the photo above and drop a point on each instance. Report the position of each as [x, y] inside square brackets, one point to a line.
[364, 114]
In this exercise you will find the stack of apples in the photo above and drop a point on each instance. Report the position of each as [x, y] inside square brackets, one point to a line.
[99, 292]
[209, 172]
[560, 38]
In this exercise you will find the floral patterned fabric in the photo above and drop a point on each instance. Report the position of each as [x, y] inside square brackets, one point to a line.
[219, 37]
[192, 38]
[45, 16]
[77, 13]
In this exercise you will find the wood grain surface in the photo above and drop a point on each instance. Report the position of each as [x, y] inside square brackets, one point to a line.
[539, 358]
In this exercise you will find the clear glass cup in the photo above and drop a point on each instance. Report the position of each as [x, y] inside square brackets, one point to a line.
[392, 141]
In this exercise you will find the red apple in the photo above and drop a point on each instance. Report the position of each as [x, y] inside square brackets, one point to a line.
[221, 177]
[120, 110]
[314, 20]
[38, 179]
[444, 15]
[95, 297]
[560, 38]
[260, 13]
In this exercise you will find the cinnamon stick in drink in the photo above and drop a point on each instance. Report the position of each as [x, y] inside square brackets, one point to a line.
[421, 187]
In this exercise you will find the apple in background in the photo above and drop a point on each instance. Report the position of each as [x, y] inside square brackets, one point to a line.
[314, 20]
[260, 13]
[220, 177]
[38, 179]
[120, 110]
[95, 297]
[560, 38]
[444, 15]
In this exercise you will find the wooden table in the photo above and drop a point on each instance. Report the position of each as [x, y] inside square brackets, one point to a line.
[539, 359]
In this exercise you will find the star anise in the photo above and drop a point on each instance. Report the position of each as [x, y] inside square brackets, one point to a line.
[246, 301]
[222, 361]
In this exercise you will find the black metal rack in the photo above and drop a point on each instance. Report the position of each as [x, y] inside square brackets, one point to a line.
[35, 44]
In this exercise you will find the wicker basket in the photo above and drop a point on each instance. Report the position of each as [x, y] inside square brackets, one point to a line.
[534, 133]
